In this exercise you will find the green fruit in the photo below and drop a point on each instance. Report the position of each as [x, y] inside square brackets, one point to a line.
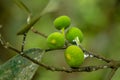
[74, 56]
[72, 33]
[55, 40]
[62, 22]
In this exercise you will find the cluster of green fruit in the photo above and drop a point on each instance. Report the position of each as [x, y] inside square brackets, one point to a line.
[73, 54]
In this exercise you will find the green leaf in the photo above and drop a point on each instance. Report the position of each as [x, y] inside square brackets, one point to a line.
[20, 68]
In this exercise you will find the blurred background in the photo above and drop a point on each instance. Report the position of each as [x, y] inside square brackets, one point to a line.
[98, 19]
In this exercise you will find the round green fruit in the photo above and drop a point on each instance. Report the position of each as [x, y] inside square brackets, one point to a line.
[74, 56]
[72, 33]
[62, 22]
[55, 40]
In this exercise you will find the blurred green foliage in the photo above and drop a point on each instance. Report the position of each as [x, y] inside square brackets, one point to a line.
[98, 19]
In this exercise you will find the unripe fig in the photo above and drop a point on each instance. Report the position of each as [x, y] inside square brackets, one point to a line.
[74, 56]
[62, 22]
[72, 33]
[55, 40]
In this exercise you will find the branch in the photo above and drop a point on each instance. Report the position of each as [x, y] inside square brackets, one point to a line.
[7, 45]
[39, 33]
[95, 55]
[68, 70]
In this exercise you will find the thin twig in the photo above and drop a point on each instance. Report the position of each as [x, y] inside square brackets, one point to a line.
[7, 45]
[39, 33]
[23, 42]
[112, 73]
[12, 48]
[95, 55]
